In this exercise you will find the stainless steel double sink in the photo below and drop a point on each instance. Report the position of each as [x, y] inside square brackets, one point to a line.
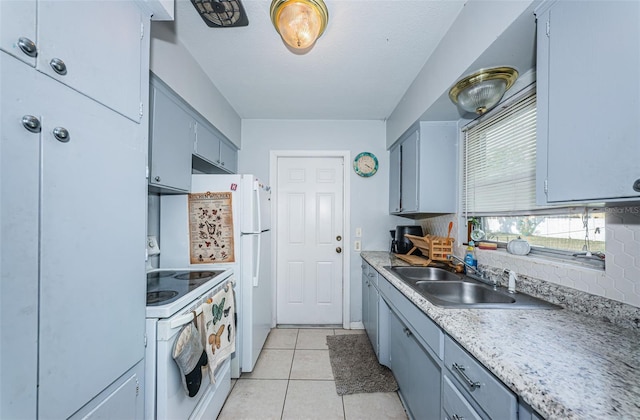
[452, 290]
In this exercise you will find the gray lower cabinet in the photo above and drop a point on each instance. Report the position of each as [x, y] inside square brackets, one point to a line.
[437, 378]
[481, 390]
[588, 130]
[416, 371]
[370, 298]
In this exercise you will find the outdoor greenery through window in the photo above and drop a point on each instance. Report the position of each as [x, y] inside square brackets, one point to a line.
[499, 186]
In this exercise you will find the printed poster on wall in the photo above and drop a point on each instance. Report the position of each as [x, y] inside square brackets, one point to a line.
[211, 228]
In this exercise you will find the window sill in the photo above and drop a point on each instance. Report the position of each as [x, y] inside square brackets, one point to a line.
[536, 260]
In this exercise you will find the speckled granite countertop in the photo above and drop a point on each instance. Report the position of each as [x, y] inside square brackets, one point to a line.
[563, 364]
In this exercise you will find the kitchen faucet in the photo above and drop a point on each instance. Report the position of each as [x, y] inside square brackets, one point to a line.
[480, 275]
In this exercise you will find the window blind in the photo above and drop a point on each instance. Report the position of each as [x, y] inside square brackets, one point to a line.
[500, 161]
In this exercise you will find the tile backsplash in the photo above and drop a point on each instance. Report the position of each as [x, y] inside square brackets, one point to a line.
[620, 281]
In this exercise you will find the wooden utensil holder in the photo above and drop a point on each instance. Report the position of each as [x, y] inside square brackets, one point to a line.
[433, 248]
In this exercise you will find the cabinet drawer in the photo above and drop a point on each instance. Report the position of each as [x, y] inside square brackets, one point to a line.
[425, 328]
[455, 404]
[490, 394]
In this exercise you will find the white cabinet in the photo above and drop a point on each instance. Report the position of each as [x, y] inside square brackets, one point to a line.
[71, 42]
[172, 134]
[422, 176]
[73, 196]
[588, 130]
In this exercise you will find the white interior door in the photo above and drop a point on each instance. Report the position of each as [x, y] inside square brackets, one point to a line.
[309, 243]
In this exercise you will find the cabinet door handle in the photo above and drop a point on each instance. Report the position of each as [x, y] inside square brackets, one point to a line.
[636, 185]
[460, 370]
[31, 123]
[61, 134]
[407, 332]
[27, 46]
[58, 66]
[157, 178]
[456, 417]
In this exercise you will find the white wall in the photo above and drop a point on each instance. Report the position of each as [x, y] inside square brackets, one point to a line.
[369, 196]
[172, 63]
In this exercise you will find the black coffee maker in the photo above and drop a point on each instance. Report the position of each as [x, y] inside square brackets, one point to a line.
[402, 245]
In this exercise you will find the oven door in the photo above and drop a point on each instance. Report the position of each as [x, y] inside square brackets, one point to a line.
[171, 399]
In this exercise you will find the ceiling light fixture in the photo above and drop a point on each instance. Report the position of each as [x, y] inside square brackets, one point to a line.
[482, 90]
[299, 22]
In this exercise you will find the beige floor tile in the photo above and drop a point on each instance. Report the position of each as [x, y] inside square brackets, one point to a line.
[312, 400]
[271, 364]
[313, 339]
[253, 399]
[311, 364]
[377, 405]
[281, 339]
[341, 331]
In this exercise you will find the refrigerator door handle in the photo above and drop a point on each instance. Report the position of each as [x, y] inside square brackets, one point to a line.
[256, 265]
[256, 209]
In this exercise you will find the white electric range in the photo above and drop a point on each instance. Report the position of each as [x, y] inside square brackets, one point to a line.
[172, 297]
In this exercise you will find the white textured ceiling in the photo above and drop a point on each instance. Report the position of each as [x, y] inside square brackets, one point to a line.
[359, 69]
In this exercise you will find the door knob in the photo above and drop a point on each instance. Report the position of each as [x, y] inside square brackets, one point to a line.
[338, 238]
[338, 250]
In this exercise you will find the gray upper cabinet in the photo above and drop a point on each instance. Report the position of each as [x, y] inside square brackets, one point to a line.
[588, 130]
[422, 176]
[67, 41]
[228, 157]
[171, 141]
[183, 142]
[211, 147]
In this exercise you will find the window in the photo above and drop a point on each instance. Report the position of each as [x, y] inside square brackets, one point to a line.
[499, 186]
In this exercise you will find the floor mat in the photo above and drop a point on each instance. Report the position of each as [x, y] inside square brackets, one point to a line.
[355, 366]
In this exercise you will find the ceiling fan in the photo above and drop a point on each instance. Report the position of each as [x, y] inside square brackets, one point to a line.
[221, 13]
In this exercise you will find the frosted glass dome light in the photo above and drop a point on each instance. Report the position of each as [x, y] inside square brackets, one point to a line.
[299, 22]
[482, 90]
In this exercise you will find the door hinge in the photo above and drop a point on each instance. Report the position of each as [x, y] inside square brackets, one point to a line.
[546, 186]
[141, 30]
[145, 340]
[137, 387]
[141, 109]
[146, 176]
[548, 28]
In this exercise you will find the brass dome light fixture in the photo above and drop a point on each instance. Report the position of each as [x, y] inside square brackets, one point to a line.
[299, 22]
[482, 90]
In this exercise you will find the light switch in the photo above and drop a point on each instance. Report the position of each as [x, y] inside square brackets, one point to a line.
[152, 245]
[357, 246]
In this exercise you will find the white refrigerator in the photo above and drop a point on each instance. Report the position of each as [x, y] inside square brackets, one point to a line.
[250, 207]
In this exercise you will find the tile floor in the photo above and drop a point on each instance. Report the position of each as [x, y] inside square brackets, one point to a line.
[293, 380]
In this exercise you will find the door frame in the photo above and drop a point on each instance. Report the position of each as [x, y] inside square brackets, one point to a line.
[346, 215]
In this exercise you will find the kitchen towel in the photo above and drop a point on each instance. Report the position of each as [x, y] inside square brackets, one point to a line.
[219, 328]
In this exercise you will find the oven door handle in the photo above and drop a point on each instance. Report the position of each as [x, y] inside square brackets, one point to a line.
[184, 319]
